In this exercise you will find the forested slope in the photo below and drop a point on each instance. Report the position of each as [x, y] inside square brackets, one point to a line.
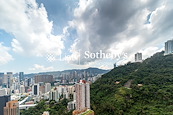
[151, 91]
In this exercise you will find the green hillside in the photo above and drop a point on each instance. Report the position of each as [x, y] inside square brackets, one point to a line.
[154, 96]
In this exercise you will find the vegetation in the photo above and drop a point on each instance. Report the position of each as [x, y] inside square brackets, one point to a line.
[154, 96]
[89, 112]
[53, 107]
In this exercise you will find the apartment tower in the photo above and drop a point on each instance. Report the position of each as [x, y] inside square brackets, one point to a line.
[82, 90]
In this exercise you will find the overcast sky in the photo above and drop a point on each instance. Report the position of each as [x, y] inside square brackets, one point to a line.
[50, 35]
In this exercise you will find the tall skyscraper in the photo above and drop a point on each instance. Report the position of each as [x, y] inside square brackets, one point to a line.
[169, 47]
[9, 77]
[12, 108]
[82, 90]
[21, 76]
[3, 101]
[35, 89]
[138, 57]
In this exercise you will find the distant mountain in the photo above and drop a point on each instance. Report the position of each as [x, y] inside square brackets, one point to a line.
[136, 88]
[92, 71]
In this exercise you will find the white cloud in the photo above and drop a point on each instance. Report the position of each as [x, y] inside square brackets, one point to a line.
[105, 67]
[5, 57]
[121, 26]
[148, 52]
[31, 28]
[40, 68]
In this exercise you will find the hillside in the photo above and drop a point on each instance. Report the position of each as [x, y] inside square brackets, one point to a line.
[150, 92]
[92, 71]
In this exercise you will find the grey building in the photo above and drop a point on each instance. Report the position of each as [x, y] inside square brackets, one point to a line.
[169, 47]
[21, 76]
[9, 77]
[3, 101]
[138, 57]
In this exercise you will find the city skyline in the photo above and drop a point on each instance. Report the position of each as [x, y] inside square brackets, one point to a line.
[38, 36]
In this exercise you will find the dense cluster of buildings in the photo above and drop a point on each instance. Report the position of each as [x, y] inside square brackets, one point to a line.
[19, 92]
[75, 76]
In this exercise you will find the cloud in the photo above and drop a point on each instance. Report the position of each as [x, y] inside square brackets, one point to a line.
[5, 57]
[40, 68]
[120, 26]
[146, 53]
[31, 28]
[105, 67]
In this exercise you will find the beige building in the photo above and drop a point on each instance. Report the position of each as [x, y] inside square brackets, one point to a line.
[82, 90]
[12, 108]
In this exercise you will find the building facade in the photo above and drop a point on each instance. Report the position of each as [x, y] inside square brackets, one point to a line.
[3, 101]
[22, 89]
[54, 95]
[35, 89]
[169, 47]
[12, 108]
[82, 90]
[138, 57]
[21, 76]
[47, 87]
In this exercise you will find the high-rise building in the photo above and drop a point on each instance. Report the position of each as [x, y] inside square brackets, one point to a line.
[47, 87]
[44, 78]
[53, 95]
[82, 90]
[35, 89]
[22, 89]
[28, 82]
[3, 91]
[138, 57]
[9, 77]
[12, 108]
[21, 76]
[42, 89]
[3, 101]
[169, 47]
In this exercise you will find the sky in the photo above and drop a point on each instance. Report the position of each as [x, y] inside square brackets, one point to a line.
[55, 35]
